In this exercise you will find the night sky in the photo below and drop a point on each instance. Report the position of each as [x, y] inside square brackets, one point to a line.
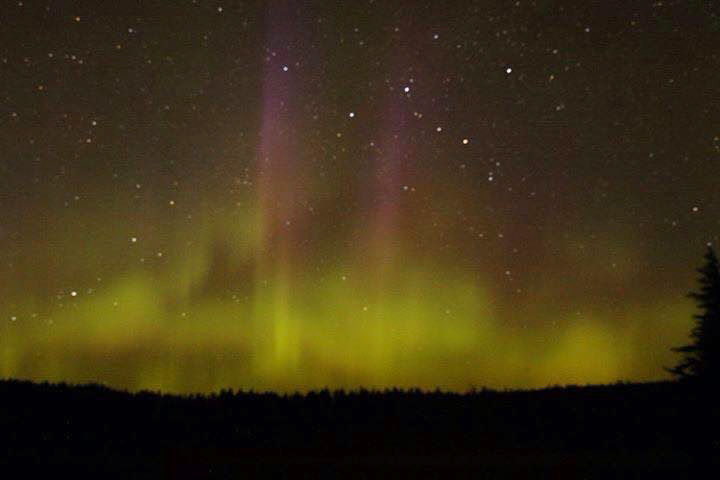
[288, 195]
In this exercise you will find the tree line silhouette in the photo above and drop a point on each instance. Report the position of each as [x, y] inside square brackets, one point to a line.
[605, 428]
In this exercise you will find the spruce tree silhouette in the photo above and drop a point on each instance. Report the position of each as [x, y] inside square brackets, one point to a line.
[701, 358]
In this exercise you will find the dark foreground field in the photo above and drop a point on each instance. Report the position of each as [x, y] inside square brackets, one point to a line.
[647, 430]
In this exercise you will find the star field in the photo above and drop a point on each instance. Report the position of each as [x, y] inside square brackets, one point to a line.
[290, 195]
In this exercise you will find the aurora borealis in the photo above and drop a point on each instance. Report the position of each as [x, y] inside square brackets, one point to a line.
[290, 195]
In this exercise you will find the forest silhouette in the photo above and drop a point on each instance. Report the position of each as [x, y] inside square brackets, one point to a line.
[595, 431]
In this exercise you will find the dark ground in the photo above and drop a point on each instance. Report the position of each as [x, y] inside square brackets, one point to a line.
[648, 430]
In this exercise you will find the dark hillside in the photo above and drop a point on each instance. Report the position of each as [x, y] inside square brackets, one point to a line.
[652, 427]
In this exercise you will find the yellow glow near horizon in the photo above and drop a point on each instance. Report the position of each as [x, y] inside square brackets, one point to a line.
[333, 329]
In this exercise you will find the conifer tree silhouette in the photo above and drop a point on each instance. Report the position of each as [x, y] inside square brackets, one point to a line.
[701, 358]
